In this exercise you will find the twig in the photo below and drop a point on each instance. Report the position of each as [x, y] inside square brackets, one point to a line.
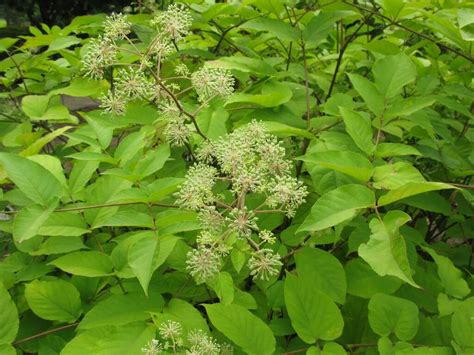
[419, 34]
[89, 207]
[45, 333]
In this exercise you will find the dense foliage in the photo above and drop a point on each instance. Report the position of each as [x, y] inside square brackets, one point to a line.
[260, 177]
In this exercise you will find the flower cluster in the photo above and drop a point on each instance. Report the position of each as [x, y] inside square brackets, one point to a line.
[102, 51]
[174, 22]
[247, 161]
[212, 82]
[197, 342]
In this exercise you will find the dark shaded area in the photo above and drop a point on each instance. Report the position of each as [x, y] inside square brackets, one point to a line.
[61, 12]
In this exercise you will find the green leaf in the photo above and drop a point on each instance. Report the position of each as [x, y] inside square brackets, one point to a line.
[81, 86]
[360, 129]
[6, 43]
[152, 161]
[242, 327]
[128, 339]
[29, 220]
[389, 314]
[393, 176]
[392, 73]
[313, 314]
[37, 183]
[272, 94]
[405, 107]
[462, 325]
[410, 189]
[36, 147]
[186, 314]
[9, 321]
[122, 309]
[385, 150]
[346, 162]
[223, 286]
[450, 276]
[56, 300]
[337, 206]
[275, 27]
[148, 254]
[324, 270]
[243, 64]
[59, 245]
[6, 349]
[64, 224]
[85, 263]
[386, 250]
[321, 25]
[369, 92]
[283, 130]
[363, 282]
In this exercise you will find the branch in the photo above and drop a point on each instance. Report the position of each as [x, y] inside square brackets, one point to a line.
[419, 34]
[341, 53]
[45, 333]
[89, 207]
[178, 104]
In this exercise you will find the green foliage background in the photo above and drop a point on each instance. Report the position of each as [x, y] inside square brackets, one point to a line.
[373, 101]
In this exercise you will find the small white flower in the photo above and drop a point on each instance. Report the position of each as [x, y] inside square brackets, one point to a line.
[242, 221]
[264, 264]
[113, 104]
[203, 264]
[266, 237]
[202, 344]
[182, 70]
[211, 82]
[196, 192]
[116, 26]
[153, 347]
[287, 192]
[100, 53]
[170, 330]
[211, 219]
[133, 83]
[177, 132]
[175, 21]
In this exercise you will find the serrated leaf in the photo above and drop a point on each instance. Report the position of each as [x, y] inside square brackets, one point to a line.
[31, 178]
[148, 254]
[9, 321]
[386, 250]
[127, 339]
[122, 309]
[389, 314]
[337, 206]
[450, 276]
[363, 282]
[369, 92]
[324, 270]
[29, 220]
[275, 27]
[395, 149]
[223, 286]
[392, 73]
[360, 129]
[410, 189]
[346, 162]
[393, 176]
[462, 325]
[63, 224]
[54, 300]
[313, 315]
[242, 327]
[85, 263]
